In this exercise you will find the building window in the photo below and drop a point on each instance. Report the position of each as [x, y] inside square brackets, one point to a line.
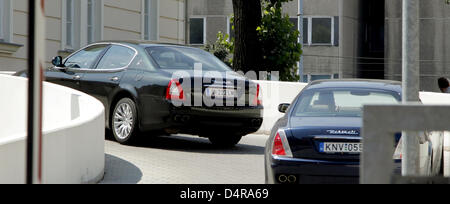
[230, 25]
[314, 77]
[197, 34]
[150, 15]
[321, 30]
[2, 6]
[305, 28]
[91, 21]
[5, 21]
[70, 10]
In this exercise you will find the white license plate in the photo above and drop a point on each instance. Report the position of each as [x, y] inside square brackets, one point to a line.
[327, 147]
[220, 93]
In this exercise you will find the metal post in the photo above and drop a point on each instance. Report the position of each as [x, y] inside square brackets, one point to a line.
[36, 60]
[300, 39]
[411, 82]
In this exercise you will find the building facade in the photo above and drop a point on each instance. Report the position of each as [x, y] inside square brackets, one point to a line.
[72, 24]
[331, 32]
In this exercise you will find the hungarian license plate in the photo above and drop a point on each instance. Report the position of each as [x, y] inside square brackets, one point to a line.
[327, 147]
[220, 93]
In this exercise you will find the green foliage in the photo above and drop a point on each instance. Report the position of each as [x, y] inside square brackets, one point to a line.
[281, 50]
[222, 48]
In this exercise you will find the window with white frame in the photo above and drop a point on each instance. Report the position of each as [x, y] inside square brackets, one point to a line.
[321, 30]
[314, 77]
[305, 28]
[69, 21]
[94, 21]
[2, 6]
[150, 15]
[197, 31]
[5, 21]
[91, 21]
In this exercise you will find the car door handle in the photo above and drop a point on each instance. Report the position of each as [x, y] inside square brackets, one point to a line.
[76, 77]
[114, 79]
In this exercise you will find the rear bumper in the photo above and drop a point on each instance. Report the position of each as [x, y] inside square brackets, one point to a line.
[198, 120]
[313, 171]
[308, 171]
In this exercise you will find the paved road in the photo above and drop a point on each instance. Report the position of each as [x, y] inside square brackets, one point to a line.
[183, 159]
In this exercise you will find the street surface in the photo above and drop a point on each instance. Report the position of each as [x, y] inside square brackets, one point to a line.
[184, 159]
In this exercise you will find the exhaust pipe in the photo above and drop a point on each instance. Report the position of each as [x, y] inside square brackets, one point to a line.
[292, 179]
[282, 178]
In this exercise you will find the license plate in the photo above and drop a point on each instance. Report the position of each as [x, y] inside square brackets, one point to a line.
[220, 93]
[327, 147]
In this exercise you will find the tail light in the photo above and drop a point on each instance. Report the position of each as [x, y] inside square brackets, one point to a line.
[281, 146]
[174, 90]
[258, 97]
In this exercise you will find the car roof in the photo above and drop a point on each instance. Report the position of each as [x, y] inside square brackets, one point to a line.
[385, 85]
[143, 43]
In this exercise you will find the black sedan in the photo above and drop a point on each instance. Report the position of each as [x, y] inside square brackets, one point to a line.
[163, 88]
[318, 140]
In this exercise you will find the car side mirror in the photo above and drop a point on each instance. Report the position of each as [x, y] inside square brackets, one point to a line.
[57, 62]
[283, 107]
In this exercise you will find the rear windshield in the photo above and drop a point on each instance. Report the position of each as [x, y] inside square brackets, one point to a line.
[184, 58]
[340, 103]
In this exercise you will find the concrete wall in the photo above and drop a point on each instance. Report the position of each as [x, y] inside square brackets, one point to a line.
[119, 20]
[274, 94]
[434, 43]
[73, 134]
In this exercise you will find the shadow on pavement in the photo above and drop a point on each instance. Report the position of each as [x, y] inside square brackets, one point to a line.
[191, 144]
[119, 171]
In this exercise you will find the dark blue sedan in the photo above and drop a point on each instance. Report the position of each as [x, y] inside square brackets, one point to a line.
[318, 140]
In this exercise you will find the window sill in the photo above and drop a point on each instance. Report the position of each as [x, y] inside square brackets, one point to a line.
[9, 48]
[65, 53]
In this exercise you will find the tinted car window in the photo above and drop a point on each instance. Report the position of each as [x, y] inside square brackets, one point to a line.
[85, 58]
[184, 58]
[339, 103]
[116, 57]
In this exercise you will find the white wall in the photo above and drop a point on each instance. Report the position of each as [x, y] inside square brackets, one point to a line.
[73, 139]
[275, 93]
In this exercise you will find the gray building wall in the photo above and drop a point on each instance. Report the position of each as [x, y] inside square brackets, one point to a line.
[434, 42]
[329, 60]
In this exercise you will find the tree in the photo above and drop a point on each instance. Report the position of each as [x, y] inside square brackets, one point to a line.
[280, 47]
[247, 49]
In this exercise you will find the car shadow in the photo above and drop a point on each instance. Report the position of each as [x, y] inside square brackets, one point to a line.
[119, 171]
[190, 144]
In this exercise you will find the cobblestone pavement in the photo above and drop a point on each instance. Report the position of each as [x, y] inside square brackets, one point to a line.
[183, 159]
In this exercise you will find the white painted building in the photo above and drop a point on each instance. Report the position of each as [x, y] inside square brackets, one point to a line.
[72, 24]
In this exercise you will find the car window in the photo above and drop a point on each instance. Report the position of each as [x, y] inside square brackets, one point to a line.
[116, 57]
[339, 103]
[85, 58]
[142, 62]
[184, 58]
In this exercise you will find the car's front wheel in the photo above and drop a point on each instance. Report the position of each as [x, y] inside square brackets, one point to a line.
[124, 120]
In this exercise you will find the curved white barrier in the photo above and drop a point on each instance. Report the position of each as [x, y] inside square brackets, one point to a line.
[73, 139]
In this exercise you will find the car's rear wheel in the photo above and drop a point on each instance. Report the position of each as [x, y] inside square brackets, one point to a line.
[225, 140]
[124, 120]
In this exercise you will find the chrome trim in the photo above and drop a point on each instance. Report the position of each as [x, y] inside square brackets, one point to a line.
[336, 138]
[101, 70]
